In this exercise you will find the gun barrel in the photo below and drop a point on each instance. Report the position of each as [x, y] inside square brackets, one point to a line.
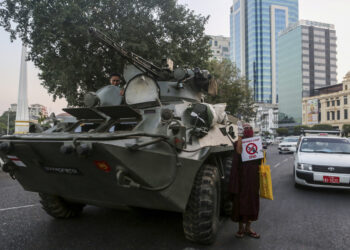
[136, 60]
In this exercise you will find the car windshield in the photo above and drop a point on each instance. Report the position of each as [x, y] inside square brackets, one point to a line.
[325, 145]
[290, 140]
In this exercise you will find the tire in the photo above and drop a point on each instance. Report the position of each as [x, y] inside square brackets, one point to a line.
[297, 186]
[201, 218]
[226, 202]
[59, 208]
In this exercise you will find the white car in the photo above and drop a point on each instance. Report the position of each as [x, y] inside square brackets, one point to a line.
[269, 141]
[288, 145]
[322, 161]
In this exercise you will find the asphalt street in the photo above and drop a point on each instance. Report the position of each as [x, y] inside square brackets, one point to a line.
[296, 219]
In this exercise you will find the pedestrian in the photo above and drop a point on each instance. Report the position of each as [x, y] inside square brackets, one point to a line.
[244, 188]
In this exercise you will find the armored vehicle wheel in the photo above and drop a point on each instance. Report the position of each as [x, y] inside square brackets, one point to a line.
[59, 208]
[201, 218]
[226, 202]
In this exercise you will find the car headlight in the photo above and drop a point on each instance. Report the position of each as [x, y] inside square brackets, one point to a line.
[304, 166]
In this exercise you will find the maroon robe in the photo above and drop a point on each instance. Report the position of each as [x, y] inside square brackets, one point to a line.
[244, 187]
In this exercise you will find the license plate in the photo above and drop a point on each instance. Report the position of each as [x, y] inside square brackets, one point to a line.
[331, 179]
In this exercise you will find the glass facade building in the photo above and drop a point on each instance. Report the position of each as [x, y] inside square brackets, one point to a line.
[307, 60]
[290, 75]
[255, 25]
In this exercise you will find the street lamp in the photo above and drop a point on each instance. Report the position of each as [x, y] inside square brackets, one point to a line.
[8, 121]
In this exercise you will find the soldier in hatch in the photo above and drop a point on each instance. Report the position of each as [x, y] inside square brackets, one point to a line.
[116, 80]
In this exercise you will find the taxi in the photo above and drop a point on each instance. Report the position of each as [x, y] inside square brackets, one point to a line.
[322, 159]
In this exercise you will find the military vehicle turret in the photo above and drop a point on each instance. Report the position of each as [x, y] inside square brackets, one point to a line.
[158, 146]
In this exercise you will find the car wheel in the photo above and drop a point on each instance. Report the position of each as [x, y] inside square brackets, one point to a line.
[226, 202]
[60, 208]
[202, 214]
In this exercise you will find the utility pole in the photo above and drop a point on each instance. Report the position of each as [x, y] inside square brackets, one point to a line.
[8, 121]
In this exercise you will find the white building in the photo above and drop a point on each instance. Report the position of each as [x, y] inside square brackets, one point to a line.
[35, 111]
[220, 47]
[266, 119]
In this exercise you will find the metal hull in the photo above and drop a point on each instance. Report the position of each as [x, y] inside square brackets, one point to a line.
[80, 179]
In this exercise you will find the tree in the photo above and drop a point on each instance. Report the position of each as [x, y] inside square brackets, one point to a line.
[266, 133]
[232, 89]
[297, 129]
[283, 119]
[322, 127]
[72, 63]
[42, 117]
[346, 129]
[3, 122]
[282, 131]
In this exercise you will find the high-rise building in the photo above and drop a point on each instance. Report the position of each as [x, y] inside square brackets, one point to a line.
[220, 47]
[255, 25]
[307, 60]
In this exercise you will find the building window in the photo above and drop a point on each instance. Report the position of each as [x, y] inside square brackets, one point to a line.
[345, 114]
[345, 100]
[328, 116]
[216, 43]
[338, 115]
[327, 103]
[333, 115]
[346, 87]
[338, 102]
[333, 103]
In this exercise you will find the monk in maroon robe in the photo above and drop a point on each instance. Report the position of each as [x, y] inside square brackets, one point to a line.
[244, 188]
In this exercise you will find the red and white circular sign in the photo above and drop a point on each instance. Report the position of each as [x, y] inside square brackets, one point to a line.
[251, 148]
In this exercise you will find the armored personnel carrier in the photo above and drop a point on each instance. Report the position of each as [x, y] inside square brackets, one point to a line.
[157, 146]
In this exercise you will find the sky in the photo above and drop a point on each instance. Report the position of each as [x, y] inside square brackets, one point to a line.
[334, 12]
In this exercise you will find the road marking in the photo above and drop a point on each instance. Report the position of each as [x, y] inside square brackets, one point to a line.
[277, 165]
[13, 208]
[285, 160]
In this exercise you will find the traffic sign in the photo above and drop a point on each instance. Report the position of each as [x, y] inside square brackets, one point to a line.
[252, 149]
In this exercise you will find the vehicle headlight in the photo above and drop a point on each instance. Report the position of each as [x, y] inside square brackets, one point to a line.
[304, 166]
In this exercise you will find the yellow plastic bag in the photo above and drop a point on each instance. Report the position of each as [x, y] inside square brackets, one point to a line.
[265, 180]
